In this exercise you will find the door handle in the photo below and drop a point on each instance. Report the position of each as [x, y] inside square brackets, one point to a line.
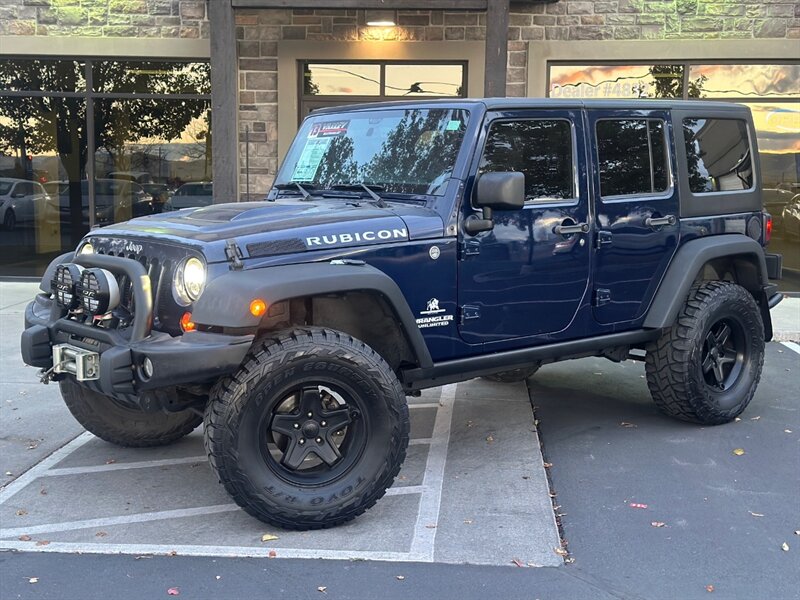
[660, 221]
[571, 229]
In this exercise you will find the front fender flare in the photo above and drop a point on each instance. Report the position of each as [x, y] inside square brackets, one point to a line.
[226, 299]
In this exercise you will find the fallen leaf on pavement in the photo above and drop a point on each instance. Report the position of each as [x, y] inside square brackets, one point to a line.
[489, 439]
[272, 554]
[626, 424]
[658, 524]
[172, 553]
[217, 577]
[9, 473]
[111, 461]
[797, 532]
[709, 588]
[400, 577]
[173, 592]
[21, 512]
[738, 451]
[754, 418]
[469, 522]
[43, 492]
[737, 419]
[430, 526]
[143, 556]
[33, 580]
[785, 547]
[27, 538]
[268, 537]
[547, 465]
[560, 551]
[787, 431]
[42, 542]
[322, 589]
[637, 505]
[517, 562]
[755, 514]
[100, 534]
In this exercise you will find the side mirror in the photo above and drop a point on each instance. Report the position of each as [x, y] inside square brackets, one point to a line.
[496, 191]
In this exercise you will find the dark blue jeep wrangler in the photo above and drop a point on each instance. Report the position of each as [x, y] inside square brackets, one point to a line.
[410, 245]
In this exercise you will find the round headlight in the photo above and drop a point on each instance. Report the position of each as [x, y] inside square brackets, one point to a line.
[190, 279]
[87, 248]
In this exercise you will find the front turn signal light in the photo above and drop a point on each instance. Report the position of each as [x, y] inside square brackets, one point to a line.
[258, 307]
[186, 322]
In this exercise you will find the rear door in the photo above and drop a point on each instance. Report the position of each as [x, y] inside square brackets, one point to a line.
[636, 210]
[526, 277]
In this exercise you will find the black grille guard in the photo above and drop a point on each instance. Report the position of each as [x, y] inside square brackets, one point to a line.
[142, 296]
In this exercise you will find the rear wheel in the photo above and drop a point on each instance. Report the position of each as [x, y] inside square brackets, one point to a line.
[117, 424]
[514, 375]
[310, 432]
[705, 368]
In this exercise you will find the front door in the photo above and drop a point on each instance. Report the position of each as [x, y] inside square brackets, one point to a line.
[527, 276]
[636, 210]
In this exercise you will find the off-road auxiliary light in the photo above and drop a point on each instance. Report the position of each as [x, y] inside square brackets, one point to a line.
[64, 284]
[99, 291]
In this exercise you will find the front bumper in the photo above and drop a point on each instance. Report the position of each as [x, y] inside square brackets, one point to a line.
[192, 358]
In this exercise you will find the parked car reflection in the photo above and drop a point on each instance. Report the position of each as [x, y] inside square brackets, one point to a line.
[790, 219]
[191, 194]
[22, 202]
[115, 200]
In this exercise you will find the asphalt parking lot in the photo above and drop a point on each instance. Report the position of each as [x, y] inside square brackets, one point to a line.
[473, 490]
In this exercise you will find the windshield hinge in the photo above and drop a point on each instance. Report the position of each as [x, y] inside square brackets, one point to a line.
[234, 255]
[469, 312]
[469, 248]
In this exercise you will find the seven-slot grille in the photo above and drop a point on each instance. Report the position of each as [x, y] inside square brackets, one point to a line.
[160, 273]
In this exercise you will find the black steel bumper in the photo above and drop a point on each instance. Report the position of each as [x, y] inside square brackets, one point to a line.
[192, 358]
[774, 265]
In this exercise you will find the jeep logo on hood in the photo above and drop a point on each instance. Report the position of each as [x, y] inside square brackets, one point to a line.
[361, 236]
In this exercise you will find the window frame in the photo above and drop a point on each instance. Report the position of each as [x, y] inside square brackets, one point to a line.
[750, 148]
[575, 200]
[616, 198]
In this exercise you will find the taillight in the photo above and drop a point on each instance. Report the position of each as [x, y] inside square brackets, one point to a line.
[767, 228]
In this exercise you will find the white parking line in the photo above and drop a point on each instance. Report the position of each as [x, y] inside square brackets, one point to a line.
[419, 442]
[121, 520]
[222, 551]
[145, 464]
[424, 405]
[423, 543]
[792, 346]
[406, 489]
[38, 470]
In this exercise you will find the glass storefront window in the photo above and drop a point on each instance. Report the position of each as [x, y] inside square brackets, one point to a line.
[424, 80]
[151, 77]
[19, 75]
[616, 81]
[146, 148]
[737, 81]
[342, 80]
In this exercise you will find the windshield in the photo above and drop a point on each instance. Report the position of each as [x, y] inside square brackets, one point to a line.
[406, 151]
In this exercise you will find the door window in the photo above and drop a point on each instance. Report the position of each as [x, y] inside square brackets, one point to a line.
[632, 157]
[542, 149]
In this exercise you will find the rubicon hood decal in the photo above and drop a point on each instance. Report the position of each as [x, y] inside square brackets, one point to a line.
[337, 239]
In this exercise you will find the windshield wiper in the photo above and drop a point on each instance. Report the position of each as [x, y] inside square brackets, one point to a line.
[304, 188]
[370, 189]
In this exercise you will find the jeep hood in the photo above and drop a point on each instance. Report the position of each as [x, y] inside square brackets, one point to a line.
[283, 227]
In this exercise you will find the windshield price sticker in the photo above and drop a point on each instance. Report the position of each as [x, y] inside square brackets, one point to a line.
[310, 159]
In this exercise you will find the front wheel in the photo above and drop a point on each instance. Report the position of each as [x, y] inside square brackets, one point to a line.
[310, 432]
[10, 220]
[706, 367]
[117, 424]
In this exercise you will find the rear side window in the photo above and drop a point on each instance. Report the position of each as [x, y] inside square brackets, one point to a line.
[718, 155]
[632, 157]
[539, 148]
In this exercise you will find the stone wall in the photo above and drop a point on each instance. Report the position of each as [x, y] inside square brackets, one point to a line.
[105, 18]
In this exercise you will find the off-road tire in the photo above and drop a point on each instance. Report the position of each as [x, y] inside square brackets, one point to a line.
[674, 365]
[513, 376]
[283, 361]
[122, 426]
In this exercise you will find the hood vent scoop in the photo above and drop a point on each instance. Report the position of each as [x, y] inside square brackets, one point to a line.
[273, 248]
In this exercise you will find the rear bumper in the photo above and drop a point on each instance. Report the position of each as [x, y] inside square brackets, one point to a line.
[774, 265]
[193, 358]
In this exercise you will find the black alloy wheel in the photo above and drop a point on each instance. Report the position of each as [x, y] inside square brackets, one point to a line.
[724, 354]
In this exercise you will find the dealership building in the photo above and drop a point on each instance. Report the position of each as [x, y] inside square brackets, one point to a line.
[115, 108]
